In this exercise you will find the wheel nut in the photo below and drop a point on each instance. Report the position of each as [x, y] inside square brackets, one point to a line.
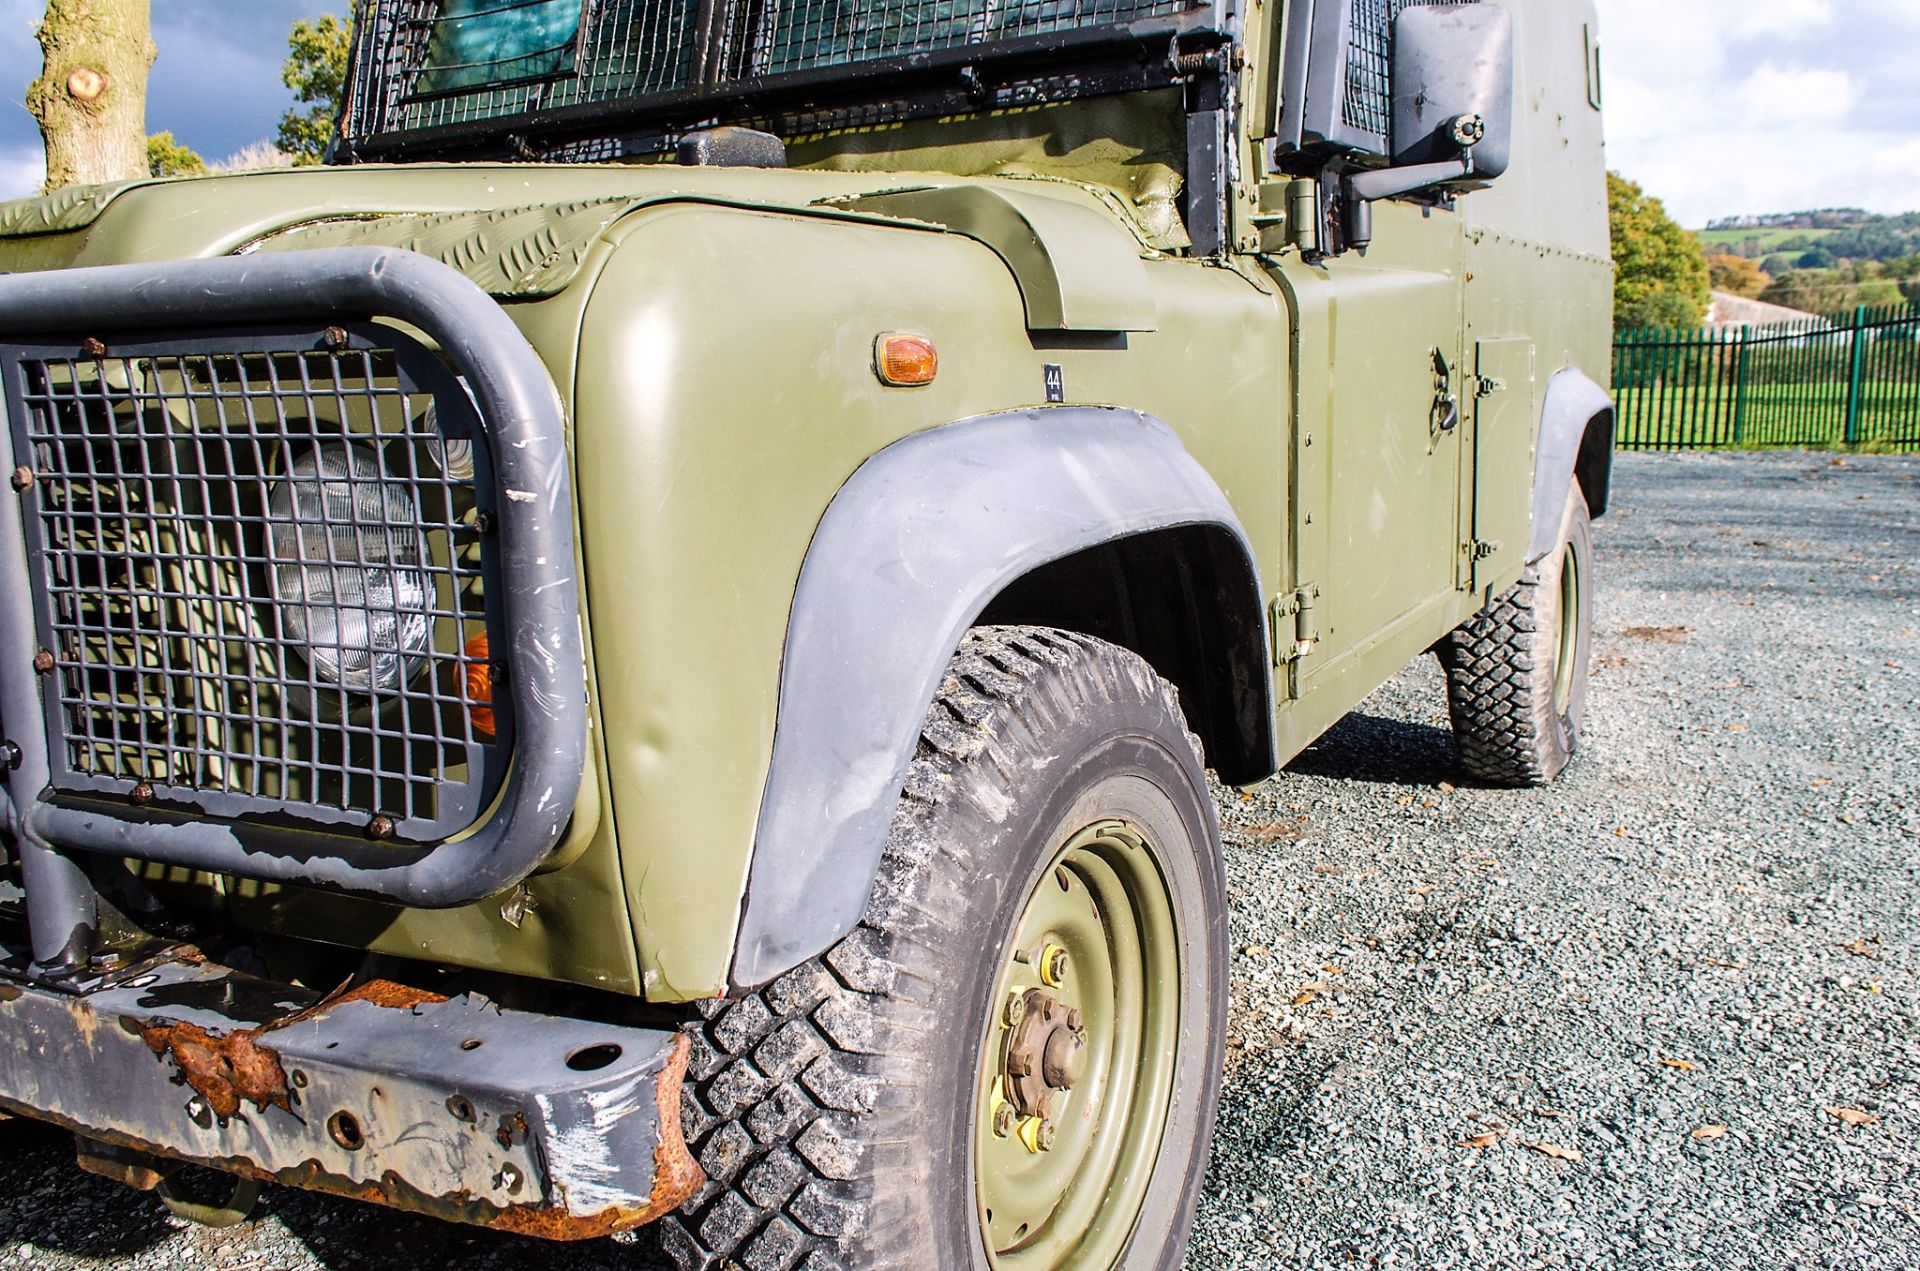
[43, 661]
[1053, 966]
[1003, 1120]
[1038, 1134]
[22, 477]
[1016, 1008]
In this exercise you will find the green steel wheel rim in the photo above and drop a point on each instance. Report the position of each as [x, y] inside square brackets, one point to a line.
[1065, 1191]
[1568, 655]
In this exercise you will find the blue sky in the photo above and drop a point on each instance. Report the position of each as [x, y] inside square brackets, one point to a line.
[1718, 106]
[216, 84]
[1729, 106]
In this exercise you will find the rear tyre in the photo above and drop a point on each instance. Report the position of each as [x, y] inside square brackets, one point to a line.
[1014, 1060]
[1517, 671]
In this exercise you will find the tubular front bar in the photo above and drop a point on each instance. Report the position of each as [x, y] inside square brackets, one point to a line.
[543, 1125]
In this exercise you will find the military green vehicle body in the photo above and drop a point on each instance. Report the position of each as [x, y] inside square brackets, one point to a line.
[711, 333]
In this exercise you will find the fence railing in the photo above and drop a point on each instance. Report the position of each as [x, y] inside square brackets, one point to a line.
[1852, 380]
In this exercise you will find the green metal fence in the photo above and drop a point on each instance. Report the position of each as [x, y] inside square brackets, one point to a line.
[1852, 380]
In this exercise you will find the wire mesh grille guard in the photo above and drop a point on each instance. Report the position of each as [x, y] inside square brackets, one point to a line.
[1367, 103]
[260, 566]
[429, 64]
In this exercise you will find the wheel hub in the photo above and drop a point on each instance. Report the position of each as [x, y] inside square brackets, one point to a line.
[1045, 1052]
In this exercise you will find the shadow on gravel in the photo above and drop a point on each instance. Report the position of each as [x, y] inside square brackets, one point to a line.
[346, 1235]
[1382, 752]
[83, 1215]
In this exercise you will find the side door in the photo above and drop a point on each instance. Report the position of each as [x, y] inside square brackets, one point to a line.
[1378, 436]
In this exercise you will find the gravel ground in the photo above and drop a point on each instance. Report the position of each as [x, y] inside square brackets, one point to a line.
[1598, 1025]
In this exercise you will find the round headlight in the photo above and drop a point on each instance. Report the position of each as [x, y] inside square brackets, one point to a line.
[349, 567]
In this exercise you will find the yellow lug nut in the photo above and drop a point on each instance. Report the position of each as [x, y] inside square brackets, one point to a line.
[1030, 1134]
[1053, 966]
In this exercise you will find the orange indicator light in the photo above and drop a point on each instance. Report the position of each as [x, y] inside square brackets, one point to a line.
[480, 687]
[905, 360]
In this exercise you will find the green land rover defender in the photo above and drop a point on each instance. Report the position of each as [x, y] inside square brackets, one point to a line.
[643, 646]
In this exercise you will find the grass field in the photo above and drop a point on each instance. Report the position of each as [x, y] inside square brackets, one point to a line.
[1769, 239]
[1665, 417]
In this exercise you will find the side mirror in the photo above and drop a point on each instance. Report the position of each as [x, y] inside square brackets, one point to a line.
[1453, 63]
[1452, 108]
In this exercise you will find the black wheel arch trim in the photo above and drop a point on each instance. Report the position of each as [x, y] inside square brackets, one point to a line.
[908, 555]
[1576, 443]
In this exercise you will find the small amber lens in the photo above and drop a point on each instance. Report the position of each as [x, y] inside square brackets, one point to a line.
[480, 687]
[906, 359]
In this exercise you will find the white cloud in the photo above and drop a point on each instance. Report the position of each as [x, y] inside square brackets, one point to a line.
[1722, 107]
[1765, 17]
[1774, 96]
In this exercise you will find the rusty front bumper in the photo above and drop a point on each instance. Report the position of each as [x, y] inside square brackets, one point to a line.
[538, 1124]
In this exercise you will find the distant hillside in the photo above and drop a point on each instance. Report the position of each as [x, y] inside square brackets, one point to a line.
[1816, 240]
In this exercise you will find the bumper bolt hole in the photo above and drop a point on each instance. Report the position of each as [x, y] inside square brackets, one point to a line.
[472, 1043]
[458, 1105]
[593, 1058]
[345, 1129]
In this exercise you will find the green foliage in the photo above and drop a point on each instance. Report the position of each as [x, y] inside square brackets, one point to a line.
[1844, 287]
[168, 158]
[1737, 274]
[1662, 278]
[316, 69]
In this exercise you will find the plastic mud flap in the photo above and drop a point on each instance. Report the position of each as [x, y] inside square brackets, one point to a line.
[542, 1125]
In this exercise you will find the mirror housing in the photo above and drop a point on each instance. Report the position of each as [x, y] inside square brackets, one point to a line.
[1452, 108]
[1452, 62]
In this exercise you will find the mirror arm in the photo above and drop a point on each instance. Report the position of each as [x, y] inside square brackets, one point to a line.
[1388, 182]
[1359, 192]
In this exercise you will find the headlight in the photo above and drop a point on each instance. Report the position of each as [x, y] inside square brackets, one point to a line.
[348, 567]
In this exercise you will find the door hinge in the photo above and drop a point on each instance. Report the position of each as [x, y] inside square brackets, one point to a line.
[1293, 628]
[1487, 386]
[1477, 550]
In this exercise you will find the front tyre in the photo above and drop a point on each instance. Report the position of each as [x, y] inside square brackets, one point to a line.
[1517, 671]
[1014, 1061]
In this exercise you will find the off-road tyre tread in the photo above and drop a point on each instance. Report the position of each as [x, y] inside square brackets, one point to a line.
[796, 1104]
[1500, 722]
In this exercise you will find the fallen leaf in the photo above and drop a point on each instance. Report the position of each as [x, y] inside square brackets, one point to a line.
[1446, 787]
[1305, 996]
[1853, 1116]
[1428, 890]
[1863, 948]
[1620, 831]
[1480, 1141]
[1681, 1064]
[1330, 969]
[1257, 951]
[1724, 965]
[1822, 781]
[1554, 1150]
[1554, 1113]
[1330, 871]
[1736, 728]
[1658, 635]
[1707, 1133]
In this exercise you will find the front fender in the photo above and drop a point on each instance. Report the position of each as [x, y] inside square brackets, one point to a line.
[906, 557]
[1576, 442]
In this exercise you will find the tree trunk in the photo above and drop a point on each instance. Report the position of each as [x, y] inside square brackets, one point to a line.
[91, 101]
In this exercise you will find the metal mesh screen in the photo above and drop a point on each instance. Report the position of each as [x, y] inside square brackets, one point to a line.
[1366, 103]
[260, 573]
[634, 50]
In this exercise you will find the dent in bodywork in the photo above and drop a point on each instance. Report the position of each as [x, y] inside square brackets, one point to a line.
[1576, 443]
[908, 554]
